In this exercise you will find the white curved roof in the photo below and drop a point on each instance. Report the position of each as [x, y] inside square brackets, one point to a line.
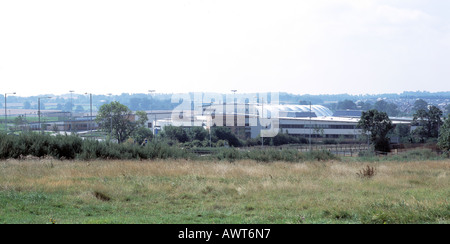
[319, 110]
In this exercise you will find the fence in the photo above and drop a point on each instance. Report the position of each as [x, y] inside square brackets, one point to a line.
[345, 150]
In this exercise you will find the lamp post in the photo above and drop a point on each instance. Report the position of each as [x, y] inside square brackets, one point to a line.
[110, 133]
[90, 101]
[261, 117]
[210, 124]
[71, 108]
[235, 107]
[151, 111]
[6, 115]
[39, 111]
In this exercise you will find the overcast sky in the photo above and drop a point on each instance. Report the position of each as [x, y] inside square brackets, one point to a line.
[301, 47]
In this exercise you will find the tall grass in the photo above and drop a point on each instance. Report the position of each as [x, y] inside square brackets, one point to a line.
[420, 154]
[193, 191]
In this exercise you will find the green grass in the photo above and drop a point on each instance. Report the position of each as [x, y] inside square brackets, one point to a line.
[185, 191]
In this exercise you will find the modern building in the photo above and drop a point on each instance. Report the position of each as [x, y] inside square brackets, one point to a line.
[250, 120]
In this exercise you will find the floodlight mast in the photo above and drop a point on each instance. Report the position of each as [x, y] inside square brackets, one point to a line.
[71, 111]
[39, 111]
[90, 101]
[151, 111]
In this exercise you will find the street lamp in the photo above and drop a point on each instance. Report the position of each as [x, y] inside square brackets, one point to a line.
[39, 111]
[6, 116]
[71, 108]
[151, 111]
[310, 126]
[110, 133]
[261, 117]
[90, 101]
[235, 108]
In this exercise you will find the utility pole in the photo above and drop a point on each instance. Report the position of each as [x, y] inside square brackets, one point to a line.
[6, 115]
[71, 108]
[151, 111]
[235, 108]
[110, 133]
[310, 126]
[39, 112]
[90, 101]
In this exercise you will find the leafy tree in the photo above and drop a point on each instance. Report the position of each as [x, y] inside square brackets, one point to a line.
[141, 118]
[224, 133]
[67, 107]
[378, 125]
[444, 136]
[117, 119]
[447, 109]
[19, 121]
[346, 104]
[428, 122]
[175, 133]
[79, 109]
[420, 104]
[403, 131]
[434, 120]
[198, 133]
[26, 105]
[364, 105]
[390, 108]
[141, 134]
[135, 104]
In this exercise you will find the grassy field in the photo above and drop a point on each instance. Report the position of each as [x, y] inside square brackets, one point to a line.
[182, 191]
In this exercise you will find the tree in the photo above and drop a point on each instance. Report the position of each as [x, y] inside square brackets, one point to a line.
[116, 119]
[141, 134]
[68, 107]
[447, 109]
[428, 122]
[390, 108]
[26, 105]
[224, 133]
[142, 118]
[434, 120]
[364, 105]
[175, 133]
[20, 121]
[198, 133]
[378, 125]
[346, 104]
[79, 109]
[420, 104]
[403, 131]
[444, 137]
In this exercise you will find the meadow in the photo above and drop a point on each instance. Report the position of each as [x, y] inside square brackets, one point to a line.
[245, 191]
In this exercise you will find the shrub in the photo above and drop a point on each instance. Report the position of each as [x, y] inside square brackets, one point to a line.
[367, 172]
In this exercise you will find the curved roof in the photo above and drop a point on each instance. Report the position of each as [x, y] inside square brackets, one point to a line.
[319, 110]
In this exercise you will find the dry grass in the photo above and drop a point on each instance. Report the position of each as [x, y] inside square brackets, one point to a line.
[240, 192]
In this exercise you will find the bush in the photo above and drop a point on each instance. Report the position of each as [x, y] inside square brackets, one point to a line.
[229, 154]
[73, 147]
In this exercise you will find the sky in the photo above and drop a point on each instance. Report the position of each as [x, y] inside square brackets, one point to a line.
[298, 46]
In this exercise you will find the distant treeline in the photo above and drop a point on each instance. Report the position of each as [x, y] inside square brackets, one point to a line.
[159, 101]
